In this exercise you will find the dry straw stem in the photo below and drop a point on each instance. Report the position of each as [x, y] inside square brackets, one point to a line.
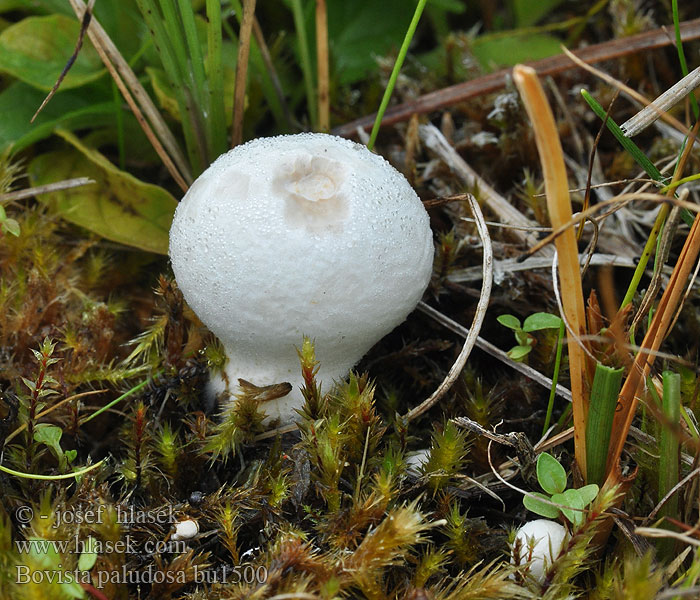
[658, 330]
[559, 206]
[433, 138]
[131, 89]
[66, 184]
[242, 71]
[324, 107]
[480, 313]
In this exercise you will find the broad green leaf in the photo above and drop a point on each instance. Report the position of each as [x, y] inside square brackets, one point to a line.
[36, 49]
[362, 30]
[541, 508]
[519, 352]
[509, 321]
[71, 109]
[550, 474]
[506, 51]
[574, 502]
[118, 207]
[540, 321]
[588, 493]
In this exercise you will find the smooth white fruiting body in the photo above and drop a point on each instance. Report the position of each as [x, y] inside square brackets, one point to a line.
[185, 530]
[548, 536]
[306, 234]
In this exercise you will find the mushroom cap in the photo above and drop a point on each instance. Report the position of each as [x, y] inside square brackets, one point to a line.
[548, 539]
[295, 235]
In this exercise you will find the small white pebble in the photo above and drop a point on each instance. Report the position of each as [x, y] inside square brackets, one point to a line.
[185, 530]
[548, 537]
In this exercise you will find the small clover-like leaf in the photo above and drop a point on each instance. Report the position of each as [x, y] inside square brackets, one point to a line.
[519, 352]
[509, 321]
[11, 226]
[588, 493]
[88, 557]
[541, 508]
[550, 474]
[540, 321]
[572, 506]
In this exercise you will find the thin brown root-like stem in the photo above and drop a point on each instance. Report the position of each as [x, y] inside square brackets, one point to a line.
[131, 88]
[674, 490]
[85, 22]
[324, 107]
[242, 72]
[591, 161]
[480, 313]
[559, 205]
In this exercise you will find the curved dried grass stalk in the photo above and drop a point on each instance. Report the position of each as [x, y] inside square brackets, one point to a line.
[479, 315]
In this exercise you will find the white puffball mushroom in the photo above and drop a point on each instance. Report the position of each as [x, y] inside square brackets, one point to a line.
[295, 235]
[546, 538]
[185, 530]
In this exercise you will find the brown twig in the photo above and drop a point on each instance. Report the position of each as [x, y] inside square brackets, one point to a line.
[559, 206]
[242, 72]
[492, 82]
[324, 107]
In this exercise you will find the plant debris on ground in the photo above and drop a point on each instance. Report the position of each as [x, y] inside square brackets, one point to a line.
[120, 477]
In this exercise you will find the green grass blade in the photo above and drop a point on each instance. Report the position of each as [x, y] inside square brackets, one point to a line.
[395, 72]
[156, 24]
[216, 122]
[634, 151]
[304, 54]
[651, 170]
[606, 388]
[555, 377]
[669, 455]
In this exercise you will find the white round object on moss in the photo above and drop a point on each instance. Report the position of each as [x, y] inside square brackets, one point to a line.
[538, 543]
[306, 234]
[185, 530]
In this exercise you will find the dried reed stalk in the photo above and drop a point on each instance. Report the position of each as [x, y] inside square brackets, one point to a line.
[559, 206]
[661, 323]
[242, 71]
[324, 107]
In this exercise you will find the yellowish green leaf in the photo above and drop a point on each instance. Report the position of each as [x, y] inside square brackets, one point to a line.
[118, 206]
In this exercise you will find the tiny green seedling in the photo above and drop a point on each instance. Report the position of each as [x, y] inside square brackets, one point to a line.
[526, 342]
[8, 225]
[552, 477]
[50, 435]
